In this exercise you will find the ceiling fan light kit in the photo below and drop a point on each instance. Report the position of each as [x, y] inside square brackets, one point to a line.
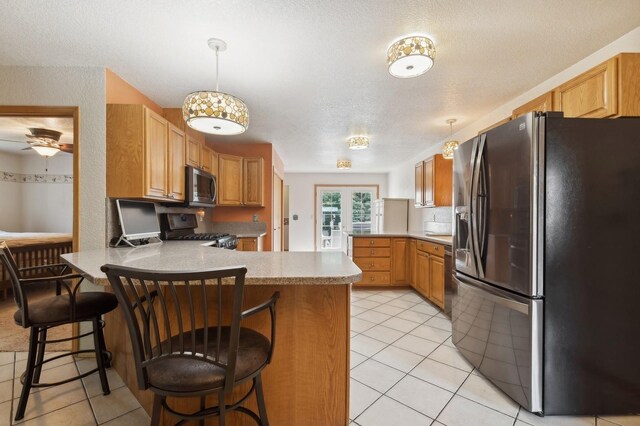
[45, 151]
[215, 112]
[411, 56]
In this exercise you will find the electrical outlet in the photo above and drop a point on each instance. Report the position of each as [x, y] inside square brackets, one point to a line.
[255, 217]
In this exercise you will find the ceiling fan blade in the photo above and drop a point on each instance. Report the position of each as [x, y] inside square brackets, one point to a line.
[9, 140]
[66, 147]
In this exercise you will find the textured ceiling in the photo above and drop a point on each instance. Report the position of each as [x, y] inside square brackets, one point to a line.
[313, 72]
[15, 128]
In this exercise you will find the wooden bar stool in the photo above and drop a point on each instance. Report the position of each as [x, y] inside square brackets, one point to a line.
[175, 356]
[46, 313]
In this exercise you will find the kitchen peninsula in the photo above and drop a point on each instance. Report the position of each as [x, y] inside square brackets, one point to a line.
[308, 379]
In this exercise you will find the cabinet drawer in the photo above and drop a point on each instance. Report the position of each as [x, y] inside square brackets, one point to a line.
[375, 278]
[371, 252]
[373, 263]
[371, 242]
[432, 248]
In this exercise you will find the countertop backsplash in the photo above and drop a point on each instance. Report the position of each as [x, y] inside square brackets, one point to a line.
[437, 220]
[240, 228]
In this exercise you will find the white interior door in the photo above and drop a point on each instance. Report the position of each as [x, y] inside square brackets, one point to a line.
[339, 211]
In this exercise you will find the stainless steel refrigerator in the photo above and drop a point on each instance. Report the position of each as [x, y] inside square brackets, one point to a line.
[546, 294]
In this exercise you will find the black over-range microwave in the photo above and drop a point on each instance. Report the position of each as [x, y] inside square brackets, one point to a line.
[201, 188]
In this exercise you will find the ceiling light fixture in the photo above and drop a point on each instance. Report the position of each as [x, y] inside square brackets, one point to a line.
[45, 151]
[215, 112]
[344, 164]
[411, 56]
[451, 145]
[358, 142]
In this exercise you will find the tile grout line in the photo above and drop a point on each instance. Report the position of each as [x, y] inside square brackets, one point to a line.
[469, 373]
[86, 393]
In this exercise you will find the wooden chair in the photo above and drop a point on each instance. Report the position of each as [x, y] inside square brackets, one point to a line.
[181, 347]
[48, 312]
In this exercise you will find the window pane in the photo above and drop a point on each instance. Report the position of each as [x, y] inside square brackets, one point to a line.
[361, 210]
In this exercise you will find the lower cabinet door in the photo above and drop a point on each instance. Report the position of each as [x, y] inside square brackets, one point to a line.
[422, 273]
[436, 280]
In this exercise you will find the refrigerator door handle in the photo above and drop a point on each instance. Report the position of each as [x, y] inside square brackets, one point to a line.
[494, 295]
[475, 223]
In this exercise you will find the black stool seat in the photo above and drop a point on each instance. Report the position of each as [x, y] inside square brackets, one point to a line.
[180, 374]
[56, 310]
[176, 358]
[41, 315]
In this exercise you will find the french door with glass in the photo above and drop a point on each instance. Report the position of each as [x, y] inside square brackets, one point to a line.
[339, 211]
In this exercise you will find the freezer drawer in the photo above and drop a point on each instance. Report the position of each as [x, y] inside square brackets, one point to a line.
[501, 335]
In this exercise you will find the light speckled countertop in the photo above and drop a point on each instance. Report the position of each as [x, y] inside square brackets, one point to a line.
[447, 240]
[268, 268]
[251, 235]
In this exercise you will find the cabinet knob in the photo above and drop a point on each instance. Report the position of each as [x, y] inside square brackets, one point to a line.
[370, 242]
[372, 252]
[371, 265]
[373, 278]
[437, 248]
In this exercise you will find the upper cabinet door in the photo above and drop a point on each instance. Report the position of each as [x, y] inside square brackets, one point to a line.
[193, 151]
[542, 103]
[429, 199]
[419, 184]
[252, 181]
[176, 163]
[593, 94]
[229, 180]
[155, 134]
[205, 158]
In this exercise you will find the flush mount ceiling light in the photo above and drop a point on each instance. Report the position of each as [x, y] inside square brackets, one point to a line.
[451, 145]
[215, 112]
[358, 142]
[411, 56]
[344, 164]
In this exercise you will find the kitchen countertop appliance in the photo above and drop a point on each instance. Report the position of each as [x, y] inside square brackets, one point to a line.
[545, 248]
[182, 226]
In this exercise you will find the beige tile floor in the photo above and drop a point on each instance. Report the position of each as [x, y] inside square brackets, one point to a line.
[77, 403]
[404, 371]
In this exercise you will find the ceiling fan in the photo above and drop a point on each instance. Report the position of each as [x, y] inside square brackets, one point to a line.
[45, 142]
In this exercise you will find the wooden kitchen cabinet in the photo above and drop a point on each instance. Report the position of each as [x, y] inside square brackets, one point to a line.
[411, 262]
[240, 181]
[252, 185]
[430, 271]
[419, 184]
[422, 273]
[193, 152]
[434, 182]
[374, 256]
[206, 158]
[611, 89]
[229, 180]
[142, 154]
[399, 270]
[542, 103]
[176, 160]
[436, 280]
[250, 244]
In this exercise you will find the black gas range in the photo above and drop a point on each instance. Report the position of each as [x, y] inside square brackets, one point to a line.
[182, 226]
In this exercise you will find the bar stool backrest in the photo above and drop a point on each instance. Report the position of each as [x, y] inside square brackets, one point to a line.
[163, 310]
[14, 273]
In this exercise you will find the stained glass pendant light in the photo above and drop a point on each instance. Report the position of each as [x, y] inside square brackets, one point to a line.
[215, 112]
[411, 56]
[344, 164]
[451, 145]
[358, 142]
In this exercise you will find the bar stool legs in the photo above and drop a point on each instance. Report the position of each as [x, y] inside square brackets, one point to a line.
[262, 409]
[98, 344]
[29, 373]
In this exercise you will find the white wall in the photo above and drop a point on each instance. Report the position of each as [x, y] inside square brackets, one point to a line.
[301, 200]
[47, 207]
[36, 206]
[83, 87]
[10, 195]
[401, 182]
